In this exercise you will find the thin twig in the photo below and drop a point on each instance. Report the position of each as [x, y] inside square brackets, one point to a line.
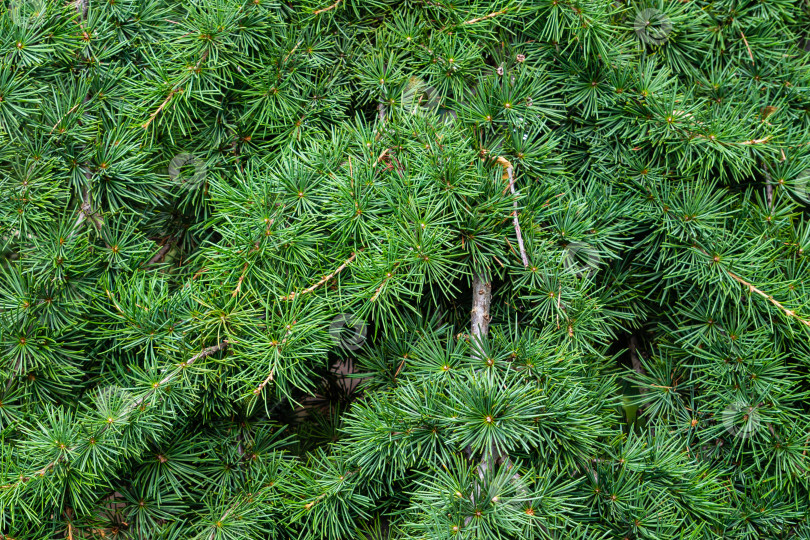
[523, 255]
[162, 105]
[174, 91]
[743, 143]
[63, 117]
[508, 174]
[291, 51]
[382, 155]
[221, 519]
[485, 17]
[322, 281]
[750, 54]
[241, 279]
[769, 298]
[379, 290]
[757, 141]
[205, 353]
[311, 504]
[264, 383]
[324, 10]
[399, 368]
[766, 296]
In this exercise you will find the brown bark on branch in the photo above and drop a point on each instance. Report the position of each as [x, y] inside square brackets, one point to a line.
[205, 353]
[481, 302]
[175, 90]
[747, 46]
[265, 382]
[162, 105]
[634, 357]
[164, 249]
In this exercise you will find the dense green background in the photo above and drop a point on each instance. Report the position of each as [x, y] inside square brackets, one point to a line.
[192, 194]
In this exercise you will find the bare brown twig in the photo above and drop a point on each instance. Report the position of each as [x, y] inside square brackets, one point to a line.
[175, 90]
[291, 52]
[379, 290]
[205, 353]
[756, 141]
[241, 279]
[63, 117]
[264, 383]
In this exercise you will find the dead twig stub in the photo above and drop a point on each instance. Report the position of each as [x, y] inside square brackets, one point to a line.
[161, 107]
[264, 383]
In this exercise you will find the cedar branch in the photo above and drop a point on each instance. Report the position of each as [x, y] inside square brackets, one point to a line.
[200, 355]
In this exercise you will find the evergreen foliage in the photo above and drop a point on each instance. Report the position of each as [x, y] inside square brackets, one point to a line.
[242, 243]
